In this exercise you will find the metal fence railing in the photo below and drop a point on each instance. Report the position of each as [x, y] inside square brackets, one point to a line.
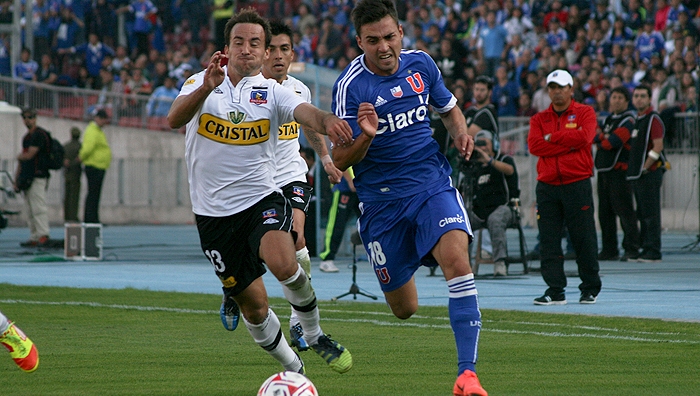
[129, 110]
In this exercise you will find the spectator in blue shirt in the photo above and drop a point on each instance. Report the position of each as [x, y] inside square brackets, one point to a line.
[144, 13]
[26, 68]
[505, 94]
[42, 31]
[5, 68]
[159, 103]
[648, 42]
[493, 42]
[556, 34]
[94, 52]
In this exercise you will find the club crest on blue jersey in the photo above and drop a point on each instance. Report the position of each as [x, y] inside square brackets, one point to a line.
[397, 92]
[298, 191]
[258, 97]
[269, 213]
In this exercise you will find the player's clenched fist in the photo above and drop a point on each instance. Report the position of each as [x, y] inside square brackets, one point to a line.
[367, 119]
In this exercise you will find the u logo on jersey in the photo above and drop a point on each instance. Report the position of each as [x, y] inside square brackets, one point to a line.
[416, 83]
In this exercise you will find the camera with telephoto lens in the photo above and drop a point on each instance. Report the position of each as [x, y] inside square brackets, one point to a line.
[476, 155]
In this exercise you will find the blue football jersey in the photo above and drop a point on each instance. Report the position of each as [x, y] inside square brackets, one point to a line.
[403, 158]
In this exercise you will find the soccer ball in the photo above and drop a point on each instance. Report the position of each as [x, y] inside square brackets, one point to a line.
[287, 383]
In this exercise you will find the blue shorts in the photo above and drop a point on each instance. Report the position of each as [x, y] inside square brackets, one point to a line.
[399, 235]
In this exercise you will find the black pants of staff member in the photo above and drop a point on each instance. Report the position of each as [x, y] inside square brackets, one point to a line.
[647, 193]
[92, 201]
[71, 199]
[570, 205]
[615, 199]
[345, 204]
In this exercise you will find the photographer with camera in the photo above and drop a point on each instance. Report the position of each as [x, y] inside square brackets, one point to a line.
[496, 186]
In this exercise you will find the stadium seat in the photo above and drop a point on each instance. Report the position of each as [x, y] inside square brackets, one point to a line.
[522, 259]
[158, 124]
[130, 122]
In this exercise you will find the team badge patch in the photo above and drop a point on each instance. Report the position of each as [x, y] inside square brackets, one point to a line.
[236, 116]
[269, 213]
[571, 121]
[397, 92]
[298, 191]
[258, 97]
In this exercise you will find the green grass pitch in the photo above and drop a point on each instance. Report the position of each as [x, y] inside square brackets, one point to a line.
[136, 342]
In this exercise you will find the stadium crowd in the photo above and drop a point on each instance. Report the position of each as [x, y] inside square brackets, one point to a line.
[603, 43]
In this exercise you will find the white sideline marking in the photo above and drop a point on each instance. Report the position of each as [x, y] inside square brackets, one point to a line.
[393, 324]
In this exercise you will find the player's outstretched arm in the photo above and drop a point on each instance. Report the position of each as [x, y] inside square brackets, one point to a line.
[337, 130]
[368, 121]
[185, 107]
[457, 126]
[319, 145]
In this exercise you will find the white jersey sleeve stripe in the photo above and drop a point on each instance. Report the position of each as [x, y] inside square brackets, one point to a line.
[354, 71]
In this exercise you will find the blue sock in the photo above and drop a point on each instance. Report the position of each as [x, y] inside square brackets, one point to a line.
[465, 319]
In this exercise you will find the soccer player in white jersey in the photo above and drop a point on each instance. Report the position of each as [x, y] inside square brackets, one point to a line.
[232, 115]
[291, 167]
[411, 214]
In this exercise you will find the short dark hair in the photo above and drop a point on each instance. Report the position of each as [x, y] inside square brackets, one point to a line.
[278, 27]
[370, 11]
[28, 111]
[248, 15]
[484, 80]
[622, 91]
[644, 87]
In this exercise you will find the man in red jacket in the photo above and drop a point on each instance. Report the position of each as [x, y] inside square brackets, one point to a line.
[561, 136]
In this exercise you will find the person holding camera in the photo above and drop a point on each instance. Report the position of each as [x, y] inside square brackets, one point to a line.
[496, 185]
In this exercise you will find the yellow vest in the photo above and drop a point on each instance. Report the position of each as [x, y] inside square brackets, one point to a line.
[223, 13]
[95, 150]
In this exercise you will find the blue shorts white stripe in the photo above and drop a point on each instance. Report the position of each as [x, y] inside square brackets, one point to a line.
[400, 234]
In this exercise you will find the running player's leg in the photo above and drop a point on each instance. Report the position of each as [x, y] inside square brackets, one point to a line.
[264, 326]
[299, 196]
[231, 244]
[444, 223]
[388, 234]
[277, 251]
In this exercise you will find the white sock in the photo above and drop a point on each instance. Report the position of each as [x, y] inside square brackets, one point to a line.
[268, 335]
[297, 289]
[304, 260]
[4, 323]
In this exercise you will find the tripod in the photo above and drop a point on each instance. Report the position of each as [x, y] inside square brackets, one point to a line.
[354, 289]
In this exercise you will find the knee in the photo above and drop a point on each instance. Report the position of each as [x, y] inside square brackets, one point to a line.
[254, 313]
[404, 311]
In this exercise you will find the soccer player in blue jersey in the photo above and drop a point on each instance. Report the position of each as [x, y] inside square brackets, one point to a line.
[411, 214]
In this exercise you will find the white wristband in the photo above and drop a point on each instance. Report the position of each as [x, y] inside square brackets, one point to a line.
[326, 159]
[653, 155]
